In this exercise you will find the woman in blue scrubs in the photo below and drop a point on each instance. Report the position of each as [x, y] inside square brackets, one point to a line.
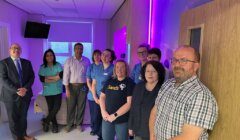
[96, 58]
[100, 76]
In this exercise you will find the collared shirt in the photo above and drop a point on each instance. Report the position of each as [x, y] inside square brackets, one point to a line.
[167, 73]
[101, 75]
[190, 103]
[75, 70]
[15, 62]
[136, 73]
[92, 69]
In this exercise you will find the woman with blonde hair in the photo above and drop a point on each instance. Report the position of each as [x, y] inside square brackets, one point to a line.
[115, 102]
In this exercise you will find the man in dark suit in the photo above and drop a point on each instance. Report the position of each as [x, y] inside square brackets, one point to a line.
[16, 77]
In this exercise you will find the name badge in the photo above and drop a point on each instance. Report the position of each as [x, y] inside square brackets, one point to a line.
[140, 77]
[105, 73]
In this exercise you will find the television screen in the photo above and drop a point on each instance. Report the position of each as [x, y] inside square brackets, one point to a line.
[36, 30]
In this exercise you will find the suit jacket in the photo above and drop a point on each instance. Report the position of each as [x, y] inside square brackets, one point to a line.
[10, 80]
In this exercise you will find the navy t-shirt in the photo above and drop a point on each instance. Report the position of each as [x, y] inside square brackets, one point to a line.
[116, 96]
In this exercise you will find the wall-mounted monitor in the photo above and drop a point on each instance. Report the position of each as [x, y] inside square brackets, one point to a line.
[36, 30]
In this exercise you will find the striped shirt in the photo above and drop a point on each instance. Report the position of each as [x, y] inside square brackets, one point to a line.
[190, 103]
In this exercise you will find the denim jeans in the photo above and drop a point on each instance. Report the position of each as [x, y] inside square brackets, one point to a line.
[110, 129]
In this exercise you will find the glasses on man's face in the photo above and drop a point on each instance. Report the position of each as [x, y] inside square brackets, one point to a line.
[16, 48]
[141, 53]
[182, 61]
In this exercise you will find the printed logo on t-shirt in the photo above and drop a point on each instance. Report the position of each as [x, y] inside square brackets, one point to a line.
[110, 87]
[122, 86]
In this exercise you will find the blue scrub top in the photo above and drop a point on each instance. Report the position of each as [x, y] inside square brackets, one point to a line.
[90, 72]
[53, 88]
[136, 73]
[102, 75]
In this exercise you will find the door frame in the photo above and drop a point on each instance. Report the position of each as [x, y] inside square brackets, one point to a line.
[189, 28]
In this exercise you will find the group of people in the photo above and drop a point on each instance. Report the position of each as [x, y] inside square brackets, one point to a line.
[142, 103]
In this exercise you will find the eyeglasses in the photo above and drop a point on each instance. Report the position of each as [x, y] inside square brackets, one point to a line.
[182, 61]
[16, 48]
[143, 52]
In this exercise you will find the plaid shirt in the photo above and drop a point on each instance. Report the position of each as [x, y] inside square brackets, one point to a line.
[190, 103]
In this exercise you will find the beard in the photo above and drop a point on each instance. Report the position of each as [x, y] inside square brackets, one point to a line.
[180, 75]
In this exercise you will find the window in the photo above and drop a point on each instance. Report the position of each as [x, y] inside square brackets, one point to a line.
[64, 50]
[195, 38]
[195, 34]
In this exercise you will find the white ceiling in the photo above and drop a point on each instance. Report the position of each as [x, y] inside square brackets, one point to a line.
[96, 9]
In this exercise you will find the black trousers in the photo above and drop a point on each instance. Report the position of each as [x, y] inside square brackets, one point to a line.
[76, 104]
[17, 116]
[54, 103]
[96, 118]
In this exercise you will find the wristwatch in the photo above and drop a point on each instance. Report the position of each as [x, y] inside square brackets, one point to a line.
[115, 114]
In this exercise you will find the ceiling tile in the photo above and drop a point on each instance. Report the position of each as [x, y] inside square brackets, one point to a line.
[96, 9]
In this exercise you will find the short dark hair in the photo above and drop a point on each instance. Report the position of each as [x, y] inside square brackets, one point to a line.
[113, 56]
[45, 55]
[156, 51]
[78, 44]
[158, 67]
[144, 45]
[95, 52]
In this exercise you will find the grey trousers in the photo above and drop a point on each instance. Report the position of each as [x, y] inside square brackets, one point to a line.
[76, 104]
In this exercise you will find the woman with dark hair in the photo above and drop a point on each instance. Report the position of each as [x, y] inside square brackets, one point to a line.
[144, 95]
[115, 102]
[50, 74]
[96, 58]
[100, 76]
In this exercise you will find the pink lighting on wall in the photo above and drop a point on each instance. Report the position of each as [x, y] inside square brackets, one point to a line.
[150, 23]
[120, 45]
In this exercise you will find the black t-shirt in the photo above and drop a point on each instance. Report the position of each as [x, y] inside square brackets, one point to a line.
[116, 96]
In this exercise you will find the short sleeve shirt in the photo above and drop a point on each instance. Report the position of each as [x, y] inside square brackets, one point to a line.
[90, 72]
[53, 88]
[101, 75]
[136, 73]
[190, 103]
[116, 96]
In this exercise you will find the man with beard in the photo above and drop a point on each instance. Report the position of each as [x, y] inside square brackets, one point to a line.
[185, 108]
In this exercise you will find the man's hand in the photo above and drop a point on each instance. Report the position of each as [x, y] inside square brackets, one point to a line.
[67, 93]
[22, 92]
